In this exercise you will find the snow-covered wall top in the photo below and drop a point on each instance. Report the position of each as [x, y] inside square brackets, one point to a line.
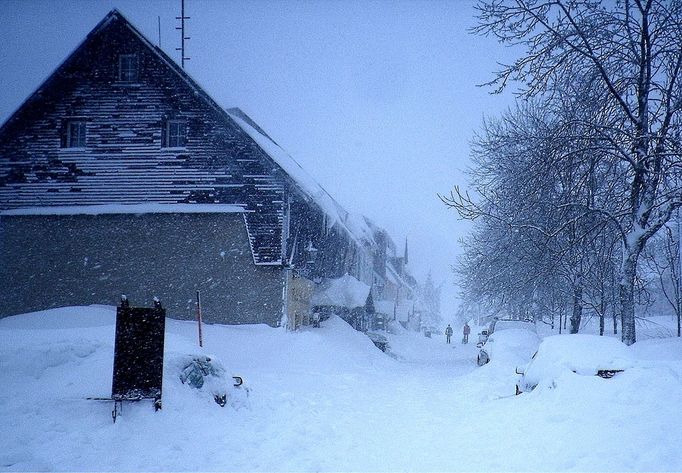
[345, 291]
[124, 209]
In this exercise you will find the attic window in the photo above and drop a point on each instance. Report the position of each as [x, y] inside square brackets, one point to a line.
[127, 68]
[75, 134]
[174, 134]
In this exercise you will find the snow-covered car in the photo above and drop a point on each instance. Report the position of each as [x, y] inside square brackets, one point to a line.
[482, 338]
[380, 341]
[587, 355]
[497, 326]
[502, 324]
[516, 344]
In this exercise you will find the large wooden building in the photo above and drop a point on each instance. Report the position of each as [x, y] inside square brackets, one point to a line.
[120, 175]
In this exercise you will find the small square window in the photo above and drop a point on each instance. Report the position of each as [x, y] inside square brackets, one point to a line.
[175, 134]
[75, 134]
[127, 68]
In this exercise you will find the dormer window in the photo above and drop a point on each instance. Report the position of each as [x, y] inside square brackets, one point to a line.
[174, 134]
[127, 68]
[75, 134]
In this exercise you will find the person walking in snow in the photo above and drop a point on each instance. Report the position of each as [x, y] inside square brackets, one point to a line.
[448, 334]
[466, 331]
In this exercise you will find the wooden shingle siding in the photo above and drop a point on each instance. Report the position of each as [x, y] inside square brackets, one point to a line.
[124, 160]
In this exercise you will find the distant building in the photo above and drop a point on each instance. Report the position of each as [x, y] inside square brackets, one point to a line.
[121, 175]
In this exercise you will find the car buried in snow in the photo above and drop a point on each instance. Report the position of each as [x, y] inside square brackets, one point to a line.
[586, 355]
[524, 333]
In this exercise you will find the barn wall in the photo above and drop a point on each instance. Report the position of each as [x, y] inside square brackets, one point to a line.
[52, 261]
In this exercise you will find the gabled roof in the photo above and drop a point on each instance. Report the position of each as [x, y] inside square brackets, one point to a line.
[116, 172]
[394, 277]
[116, 15]
[355, 226]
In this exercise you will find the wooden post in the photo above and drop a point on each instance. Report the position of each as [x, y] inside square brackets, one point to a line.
[201, 341]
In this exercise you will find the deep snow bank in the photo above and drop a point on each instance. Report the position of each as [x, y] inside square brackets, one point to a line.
[51, 361]
[325, 400]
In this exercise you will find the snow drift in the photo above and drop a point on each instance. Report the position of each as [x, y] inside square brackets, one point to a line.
[324, 400]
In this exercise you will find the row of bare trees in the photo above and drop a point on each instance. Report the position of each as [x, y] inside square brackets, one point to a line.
[570, 186]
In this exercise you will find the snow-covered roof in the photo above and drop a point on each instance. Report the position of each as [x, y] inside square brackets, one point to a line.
[345, 291]
[355, 225]
[384, 307]
[358, 226]
[125, 209]
[393, 276]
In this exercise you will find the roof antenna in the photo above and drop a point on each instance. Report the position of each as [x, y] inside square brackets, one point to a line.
[182, 19]
[158, 18]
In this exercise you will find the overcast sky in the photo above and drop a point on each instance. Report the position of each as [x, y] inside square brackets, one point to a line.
[376, 100]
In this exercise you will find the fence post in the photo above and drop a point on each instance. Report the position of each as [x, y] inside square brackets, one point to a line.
[201, 342]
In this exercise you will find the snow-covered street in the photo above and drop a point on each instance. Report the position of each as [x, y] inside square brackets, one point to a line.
[322, 400]
[297, 205]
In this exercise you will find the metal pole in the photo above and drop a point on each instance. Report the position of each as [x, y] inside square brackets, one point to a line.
[182, 19]
[201, 341]
[182, 32]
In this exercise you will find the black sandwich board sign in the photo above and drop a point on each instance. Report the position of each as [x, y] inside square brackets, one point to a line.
[138, 353]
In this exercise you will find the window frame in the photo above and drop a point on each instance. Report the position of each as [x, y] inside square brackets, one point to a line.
[125, 74]
[177, 140]
[81, 134]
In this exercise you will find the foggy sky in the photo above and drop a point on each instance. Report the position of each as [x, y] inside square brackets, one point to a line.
[376, 100]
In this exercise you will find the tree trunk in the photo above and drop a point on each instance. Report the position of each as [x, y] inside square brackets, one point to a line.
[678, 285]
[678, 310]
[678, 307]
[602, 308]
[614, 303]
[577, 306]
[627, 296]
[601, 318]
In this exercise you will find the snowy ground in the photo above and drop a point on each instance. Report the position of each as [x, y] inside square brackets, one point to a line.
[325, 400]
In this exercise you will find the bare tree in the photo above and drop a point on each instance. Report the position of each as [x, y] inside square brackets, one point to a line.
[531, 239]
[624, 59]
[663, 259]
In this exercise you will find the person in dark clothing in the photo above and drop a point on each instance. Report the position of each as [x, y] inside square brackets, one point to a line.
[448, 334]
[466, 331]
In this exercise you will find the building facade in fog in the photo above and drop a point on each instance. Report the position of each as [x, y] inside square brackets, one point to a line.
[120, 175]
